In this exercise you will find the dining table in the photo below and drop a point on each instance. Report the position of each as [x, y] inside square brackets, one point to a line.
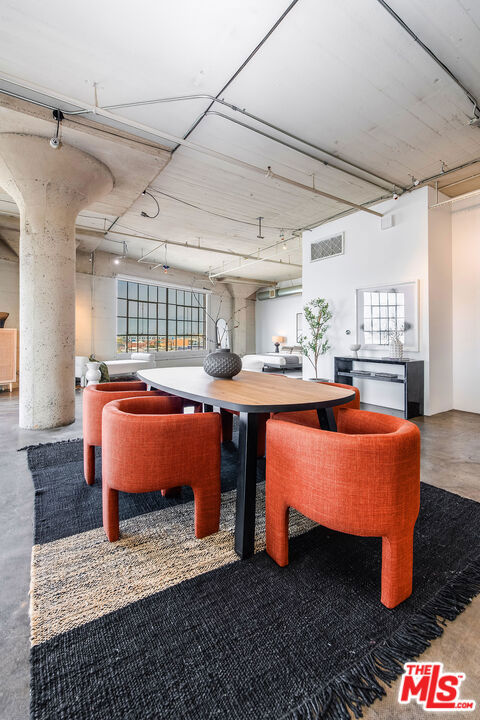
[250, 394]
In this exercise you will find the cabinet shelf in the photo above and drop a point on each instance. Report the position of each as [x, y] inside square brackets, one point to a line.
[344, 373]
[412, 378]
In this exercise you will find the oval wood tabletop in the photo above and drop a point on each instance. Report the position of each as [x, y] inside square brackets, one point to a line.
[247, 392]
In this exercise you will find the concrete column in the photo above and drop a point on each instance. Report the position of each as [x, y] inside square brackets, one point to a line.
[244, 317]
[50, 187]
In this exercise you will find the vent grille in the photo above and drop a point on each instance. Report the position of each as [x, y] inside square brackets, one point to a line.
[329, 247]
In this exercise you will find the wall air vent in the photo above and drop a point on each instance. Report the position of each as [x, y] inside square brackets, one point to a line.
[328, 247]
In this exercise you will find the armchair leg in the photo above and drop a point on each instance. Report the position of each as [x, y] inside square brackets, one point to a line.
[397, 568]
[110, 512]
[89, 463]
[207, 510]
[227, 425]
[276, 518]
[261, 434]
[172, 492]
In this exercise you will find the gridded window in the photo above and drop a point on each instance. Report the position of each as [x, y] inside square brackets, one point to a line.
[383, 314]
[151, 318]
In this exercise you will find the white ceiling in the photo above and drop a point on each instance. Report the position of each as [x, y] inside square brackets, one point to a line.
[344, 76]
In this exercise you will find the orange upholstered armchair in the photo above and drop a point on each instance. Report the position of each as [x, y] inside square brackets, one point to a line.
[145, 447]
[310, 417]
[94, 399]
[362, 480]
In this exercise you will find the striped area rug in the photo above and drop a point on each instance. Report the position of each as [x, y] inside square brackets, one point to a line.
[161, 625]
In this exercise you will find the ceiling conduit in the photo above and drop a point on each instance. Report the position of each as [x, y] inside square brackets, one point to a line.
[197, 148]
[435, 58]
[279, 292]
[385, 183]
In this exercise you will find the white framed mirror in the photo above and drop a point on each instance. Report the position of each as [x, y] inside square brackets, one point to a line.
[223, 334]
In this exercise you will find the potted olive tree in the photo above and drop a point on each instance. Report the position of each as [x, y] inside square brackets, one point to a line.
[315, 344]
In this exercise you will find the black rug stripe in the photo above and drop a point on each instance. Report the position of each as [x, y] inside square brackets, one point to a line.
[253, 641]
[65, 505]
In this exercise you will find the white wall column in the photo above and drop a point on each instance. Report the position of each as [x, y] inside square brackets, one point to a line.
[50, 188]
[243, 318]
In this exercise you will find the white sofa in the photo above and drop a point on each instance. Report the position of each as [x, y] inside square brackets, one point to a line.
[127, 366]
[131, 365]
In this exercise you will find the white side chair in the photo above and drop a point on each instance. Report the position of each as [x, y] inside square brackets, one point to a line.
[81, 368]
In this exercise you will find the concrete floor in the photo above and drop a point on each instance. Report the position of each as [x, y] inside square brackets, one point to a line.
[450, 459]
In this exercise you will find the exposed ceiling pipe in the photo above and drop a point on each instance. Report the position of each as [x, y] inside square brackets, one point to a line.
[150, 252]
[257, 260]
[243, 256]
[459, 182]
[245, 62]
[284, 179]
[203, 150]
[386, 184]
[444, 173]
[91, 109]
[292, 147]
[435, 58]
[470, 194]
[244, 281]
[280, 292]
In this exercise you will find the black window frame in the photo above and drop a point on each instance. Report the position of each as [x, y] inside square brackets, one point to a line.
[141, 312]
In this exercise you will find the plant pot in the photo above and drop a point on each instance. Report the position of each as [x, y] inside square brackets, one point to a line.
[93, 373]
[222, 363]
[396, 350]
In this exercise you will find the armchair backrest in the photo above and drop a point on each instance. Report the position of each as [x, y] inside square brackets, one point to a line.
[95, 397]
[373, 459]
[171, 444]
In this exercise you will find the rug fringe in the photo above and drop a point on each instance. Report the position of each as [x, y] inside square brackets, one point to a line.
[58, 442]
[364, 682]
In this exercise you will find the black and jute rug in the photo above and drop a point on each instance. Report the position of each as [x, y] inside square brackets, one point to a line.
[162, 626]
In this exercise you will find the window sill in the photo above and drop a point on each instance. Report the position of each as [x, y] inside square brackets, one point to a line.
[159, 355]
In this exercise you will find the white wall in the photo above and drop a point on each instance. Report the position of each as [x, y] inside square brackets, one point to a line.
[277, 317]
[440, 376]
[417, 247]
[466, 306]
[372, 257]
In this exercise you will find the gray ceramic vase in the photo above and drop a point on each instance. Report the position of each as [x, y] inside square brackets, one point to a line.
[222, 363]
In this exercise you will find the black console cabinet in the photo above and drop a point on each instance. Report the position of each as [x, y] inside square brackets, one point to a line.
[412, 380]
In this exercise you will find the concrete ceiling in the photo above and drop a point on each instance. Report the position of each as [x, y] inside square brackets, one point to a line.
[345, 77]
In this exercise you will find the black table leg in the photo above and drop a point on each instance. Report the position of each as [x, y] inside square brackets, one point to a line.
[246, 486]
[326, 418]
[207, 408]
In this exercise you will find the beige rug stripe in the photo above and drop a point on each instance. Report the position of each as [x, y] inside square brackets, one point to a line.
[83, 577]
